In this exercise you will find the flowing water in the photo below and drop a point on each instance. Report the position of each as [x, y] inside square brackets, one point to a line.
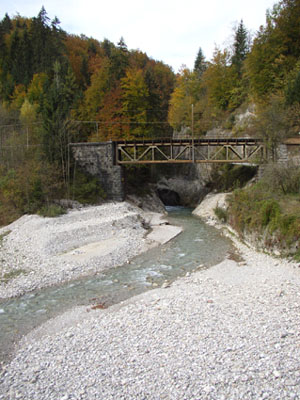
[199, 244]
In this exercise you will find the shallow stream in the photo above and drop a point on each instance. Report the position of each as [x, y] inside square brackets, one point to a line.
[198, 245]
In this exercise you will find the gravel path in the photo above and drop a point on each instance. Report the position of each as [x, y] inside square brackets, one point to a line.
[37, 252]
[230, 332]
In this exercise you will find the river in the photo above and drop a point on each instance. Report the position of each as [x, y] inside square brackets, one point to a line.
[198, 246]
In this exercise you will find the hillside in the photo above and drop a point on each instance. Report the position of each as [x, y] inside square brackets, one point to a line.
[57, 88]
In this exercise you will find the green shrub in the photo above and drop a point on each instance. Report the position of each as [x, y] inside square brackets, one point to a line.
[270, 210]
[2, 236]
[230, 177]
[86, 188]
[8, 276]
[256, 209]
[51, 211]
[282, 178]
[297, 256]
[221, 214]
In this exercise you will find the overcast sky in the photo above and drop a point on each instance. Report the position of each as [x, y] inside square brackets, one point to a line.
[167, 30]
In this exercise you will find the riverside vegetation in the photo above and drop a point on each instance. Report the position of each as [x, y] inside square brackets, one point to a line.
[267, 210]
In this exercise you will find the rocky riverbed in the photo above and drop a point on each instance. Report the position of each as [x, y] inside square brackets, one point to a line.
[37, 252]
[229, 332]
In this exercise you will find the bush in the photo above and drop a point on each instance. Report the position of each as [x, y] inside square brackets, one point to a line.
[282, 178]
[27, 188]
[229, 177]
[86, 188]
[221, 214]
[256, 209]
[270, 211]
[51, 211]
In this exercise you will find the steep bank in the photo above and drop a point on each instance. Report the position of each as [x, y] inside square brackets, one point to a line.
[37, 252]
[207, 206]
[258, 222]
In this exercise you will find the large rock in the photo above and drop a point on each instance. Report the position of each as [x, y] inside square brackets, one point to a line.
[180, 190]
[206, 208]
[148, 202]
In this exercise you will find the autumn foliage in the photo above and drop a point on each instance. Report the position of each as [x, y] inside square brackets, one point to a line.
[57, 88]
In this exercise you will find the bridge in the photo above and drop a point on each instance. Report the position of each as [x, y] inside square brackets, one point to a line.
[188, 150]
[107, 159]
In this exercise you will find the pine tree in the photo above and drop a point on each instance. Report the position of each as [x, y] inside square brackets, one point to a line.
[119, 60]
[84, 69]
[3, 49]
[240, 47]
[200, 64]
[15, 55]
[6, 24]
[59, 96]
[122, 45]
[26, 61]
[107, 46]
[293, 91]
[47, 42]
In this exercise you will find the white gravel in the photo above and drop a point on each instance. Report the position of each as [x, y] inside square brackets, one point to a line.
[230, 332]
[205, 209]
[45, 251]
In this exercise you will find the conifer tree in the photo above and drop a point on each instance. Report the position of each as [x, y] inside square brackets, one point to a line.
[60, 94]
[26, 58]
[240, 47]
[15, 56]
[122, 45]
[293, 91]
[6, 24]
[200, 64]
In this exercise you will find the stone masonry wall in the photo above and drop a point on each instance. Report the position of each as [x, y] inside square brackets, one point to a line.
[98, 160]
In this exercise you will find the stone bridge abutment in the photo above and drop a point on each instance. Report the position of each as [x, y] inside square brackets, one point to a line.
[98, 160]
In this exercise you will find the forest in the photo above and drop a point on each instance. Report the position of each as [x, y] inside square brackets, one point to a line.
[57, 88]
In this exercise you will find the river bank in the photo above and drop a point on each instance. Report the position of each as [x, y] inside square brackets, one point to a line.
[231, 331]
[38, 252]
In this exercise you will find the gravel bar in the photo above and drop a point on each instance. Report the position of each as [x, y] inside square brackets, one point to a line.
[229, 332]
[37, 252]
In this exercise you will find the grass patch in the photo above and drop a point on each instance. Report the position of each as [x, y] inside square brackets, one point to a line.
[2, 236]
[8, 276]
[221, 214]
[297, 256]
[51, 211]
[274, 216]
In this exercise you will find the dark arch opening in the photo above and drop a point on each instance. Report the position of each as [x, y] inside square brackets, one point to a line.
[169, 197]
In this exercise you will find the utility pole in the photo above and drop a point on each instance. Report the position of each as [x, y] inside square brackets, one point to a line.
[193, 147]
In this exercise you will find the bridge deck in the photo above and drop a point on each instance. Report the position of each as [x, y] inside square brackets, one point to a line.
[187, 150]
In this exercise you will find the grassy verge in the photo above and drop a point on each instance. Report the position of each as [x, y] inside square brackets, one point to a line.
[51, 211]
[2, 236]
[8, 276]
[273, 216]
